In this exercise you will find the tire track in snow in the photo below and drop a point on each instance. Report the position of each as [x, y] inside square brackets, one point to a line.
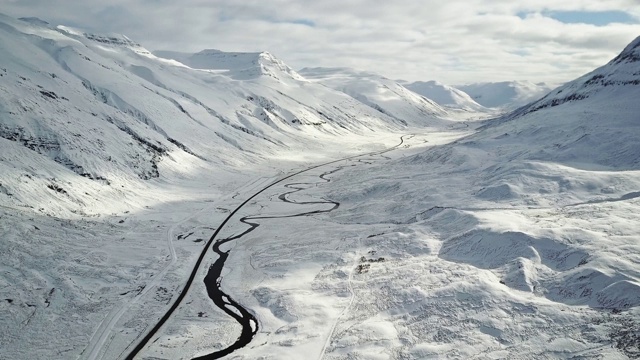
[344, 311]
[105, 329]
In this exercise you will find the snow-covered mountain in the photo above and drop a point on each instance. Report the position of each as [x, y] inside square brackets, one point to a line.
[506, 94]
[576, 150]
[617, 80]
[445, 95]
[104, 111]
[109, 154]
[518, 241]
[382, 94]
[240, 66]
[591, 120]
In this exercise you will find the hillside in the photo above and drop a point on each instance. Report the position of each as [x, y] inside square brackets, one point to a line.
[506, 94]
[239, 66]
[445, 95]
[102, 111]
[116, 165]
[382, 94]
[518, 241]
[591, 121]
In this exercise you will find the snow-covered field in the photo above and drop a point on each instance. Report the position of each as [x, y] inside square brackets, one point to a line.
[426, 258]
[86, 286]
[509, 238]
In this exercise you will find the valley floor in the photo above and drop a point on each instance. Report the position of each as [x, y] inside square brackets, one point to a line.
[432, 253]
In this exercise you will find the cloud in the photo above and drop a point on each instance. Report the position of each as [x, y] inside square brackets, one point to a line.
[453, 42]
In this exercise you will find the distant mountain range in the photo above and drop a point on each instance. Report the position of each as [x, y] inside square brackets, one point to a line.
[445, 95]
[380, 93]
[506, 95]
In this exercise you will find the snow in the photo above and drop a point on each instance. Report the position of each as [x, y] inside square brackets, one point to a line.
[509, 238]
[506, 94]
[445, 95]
[382, 94]
[240, 66]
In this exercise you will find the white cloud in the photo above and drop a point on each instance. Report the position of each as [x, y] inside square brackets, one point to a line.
[454, 41]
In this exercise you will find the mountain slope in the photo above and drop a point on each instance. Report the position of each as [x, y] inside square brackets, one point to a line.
[574, 151]
[526, 229]
[506, 94]
[618, 78]
[591, 120]
[445, 95]
[116, 165]
[102, 110]
[240, 66]
[382, 94]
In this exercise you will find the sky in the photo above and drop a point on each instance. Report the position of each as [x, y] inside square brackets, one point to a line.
[454, 41]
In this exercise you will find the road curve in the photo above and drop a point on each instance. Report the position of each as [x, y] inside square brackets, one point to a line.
[224, 302]
[213, 278]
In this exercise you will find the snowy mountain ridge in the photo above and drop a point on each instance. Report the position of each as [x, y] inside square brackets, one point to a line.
[505, 94]
[621, 72]
[104, 108]
[445, 95]
[382, 94]
[240, 66]
[603, 133]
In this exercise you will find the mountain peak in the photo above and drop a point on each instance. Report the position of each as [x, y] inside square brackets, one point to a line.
[237, 65]
[34, 20]
[630, 54]
[431, 83]
[378, 92]
[622, 71]
[209, 51]
[505, 94]
[111, 39]
[444, 95]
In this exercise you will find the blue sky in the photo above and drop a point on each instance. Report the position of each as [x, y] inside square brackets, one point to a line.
[454, 42]
[597, 18]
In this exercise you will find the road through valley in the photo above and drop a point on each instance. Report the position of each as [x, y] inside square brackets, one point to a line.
[213, 279]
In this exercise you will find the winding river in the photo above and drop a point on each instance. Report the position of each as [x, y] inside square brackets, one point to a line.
[213, 279]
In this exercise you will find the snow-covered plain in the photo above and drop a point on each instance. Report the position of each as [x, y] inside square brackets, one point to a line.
[512, 238]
